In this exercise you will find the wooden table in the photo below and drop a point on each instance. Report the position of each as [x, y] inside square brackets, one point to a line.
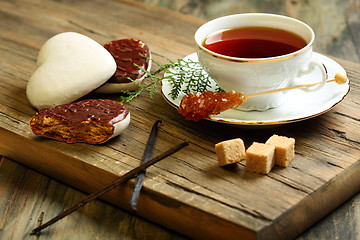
[28, 196]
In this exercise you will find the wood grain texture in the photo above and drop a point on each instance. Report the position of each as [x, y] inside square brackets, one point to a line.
[187, 190]
[32, 197]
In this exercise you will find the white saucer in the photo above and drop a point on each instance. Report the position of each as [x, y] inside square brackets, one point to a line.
[300, 104]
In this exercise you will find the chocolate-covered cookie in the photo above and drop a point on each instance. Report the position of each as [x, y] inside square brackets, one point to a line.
[91, 121]
[132, 58]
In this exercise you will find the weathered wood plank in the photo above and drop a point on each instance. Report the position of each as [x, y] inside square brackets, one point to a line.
[187, 189]
[30, 196]
[24, 197]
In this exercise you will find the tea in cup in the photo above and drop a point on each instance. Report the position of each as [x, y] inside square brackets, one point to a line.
[256, 52]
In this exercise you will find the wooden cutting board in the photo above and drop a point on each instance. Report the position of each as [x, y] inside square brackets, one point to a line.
[187, 192]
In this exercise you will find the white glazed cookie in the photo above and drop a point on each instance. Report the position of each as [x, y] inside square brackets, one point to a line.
[70, 65]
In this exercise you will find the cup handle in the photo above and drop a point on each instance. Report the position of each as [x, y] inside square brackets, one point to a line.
[324, 75]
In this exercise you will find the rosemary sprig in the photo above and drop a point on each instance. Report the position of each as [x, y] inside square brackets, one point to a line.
[185, 76]
[128, 96]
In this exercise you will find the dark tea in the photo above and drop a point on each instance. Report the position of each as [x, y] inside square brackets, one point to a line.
[254, 42]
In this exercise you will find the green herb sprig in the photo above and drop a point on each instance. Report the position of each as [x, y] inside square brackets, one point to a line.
[185, 76]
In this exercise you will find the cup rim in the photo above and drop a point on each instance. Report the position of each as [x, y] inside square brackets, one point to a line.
[265, 59]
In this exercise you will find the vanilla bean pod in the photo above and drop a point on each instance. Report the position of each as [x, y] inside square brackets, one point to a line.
[111, 186]
[146, 157]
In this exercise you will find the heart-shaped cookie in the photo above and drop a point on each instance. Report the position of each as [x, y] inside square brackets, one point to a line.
[70, 65]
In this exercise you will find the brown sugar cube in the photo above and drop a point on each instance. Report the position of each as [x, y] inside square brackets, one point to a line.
[260, 158]
[284, 149]
[230, 151]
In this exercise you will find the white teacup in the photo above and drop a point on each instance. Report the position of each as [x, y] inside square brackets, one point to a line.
[252, 75]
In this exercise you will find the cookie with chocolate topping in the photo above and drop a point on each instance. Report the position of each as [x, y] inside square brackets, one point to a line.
[91, 121]
[132, 58]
